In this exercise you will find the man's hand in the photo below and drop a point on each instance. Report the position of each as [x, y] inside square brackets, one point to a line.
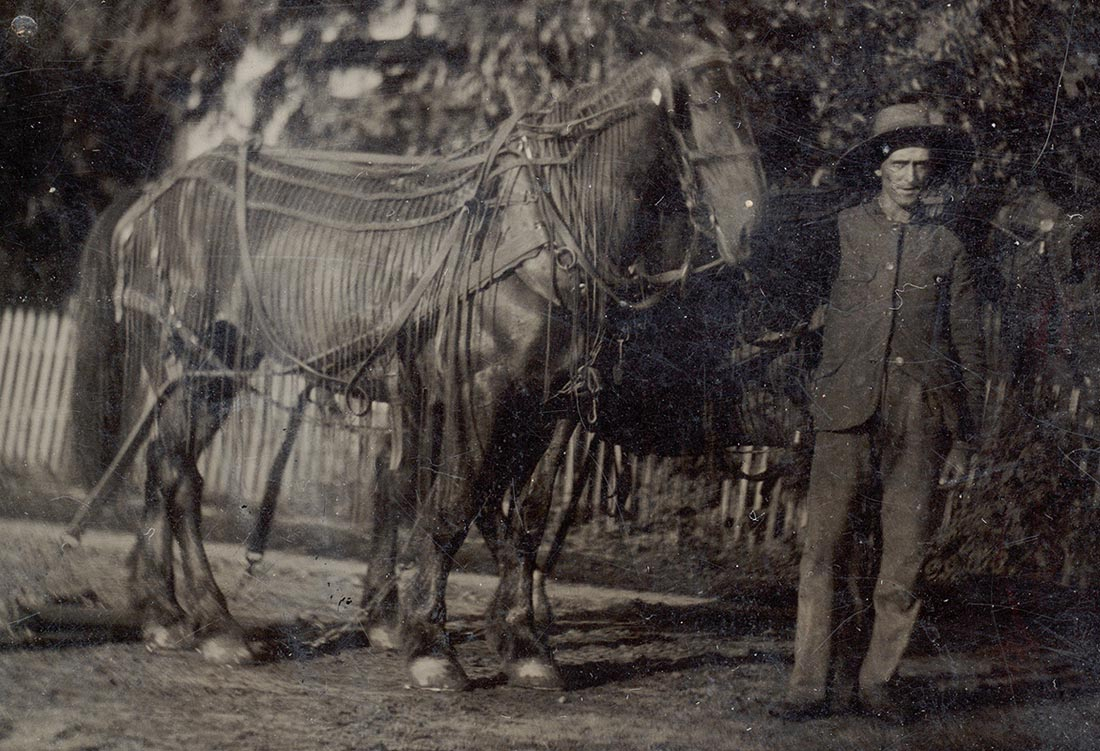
[959, 464]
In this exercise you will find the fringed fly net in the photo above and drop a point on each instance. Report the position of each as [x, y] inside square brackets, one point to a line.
[320, 261]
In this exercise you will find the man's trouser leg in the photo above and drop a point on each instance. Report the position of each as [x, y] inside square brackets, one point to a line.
[913, 444]
[841, 470]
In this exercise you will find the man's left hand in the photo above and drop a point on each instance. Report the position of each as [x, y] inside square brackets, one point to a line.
[959, 464]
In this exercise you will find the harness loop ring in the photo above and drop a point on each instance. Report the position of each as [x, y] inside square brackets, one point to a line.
[565, 257]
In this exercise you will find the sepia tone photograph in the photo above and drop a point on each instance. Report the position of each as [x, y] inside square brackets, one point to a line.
[549, 374]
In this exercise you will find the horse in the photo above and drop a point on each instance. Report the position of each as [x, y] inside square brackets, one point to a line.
[470, 289]
[105, 406]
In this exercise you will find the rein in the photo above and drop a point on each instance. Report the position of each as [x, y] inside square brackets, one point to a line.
[592, 122]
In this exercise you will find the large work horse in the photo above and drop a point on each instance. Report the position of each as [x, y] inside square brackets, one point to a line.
[472, 290]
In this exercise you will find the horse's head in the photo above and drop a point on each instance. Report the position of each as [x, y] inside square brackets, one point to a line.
[606, 159]
[724, 175]
[722, 152]
[640, 165]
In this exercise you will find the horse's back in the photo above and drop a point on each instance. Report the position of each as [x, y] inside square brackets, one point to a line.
[328, 256]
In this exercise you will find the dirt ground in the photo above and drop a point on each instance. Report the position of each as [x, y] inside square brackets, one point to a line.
[644, 671]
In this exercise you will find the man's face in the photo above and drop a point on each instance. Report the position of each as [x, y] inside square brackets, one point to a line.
[904, 174]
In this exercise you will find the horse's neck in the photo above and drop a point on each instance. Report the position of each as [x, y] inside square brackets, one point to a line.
[598, 187]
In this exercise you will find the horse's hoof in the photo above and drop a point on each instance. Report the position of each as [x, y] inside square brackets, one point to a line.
[226, 649]
[383, 636]
[175, 637]
[533, 672]
[438, 674]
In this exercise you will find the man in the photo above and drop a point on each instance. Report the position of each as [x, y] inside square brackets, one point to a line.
[900, 382]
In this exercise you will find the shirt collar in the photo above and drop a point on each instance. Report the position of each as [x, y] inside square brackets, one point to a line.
[872, 207]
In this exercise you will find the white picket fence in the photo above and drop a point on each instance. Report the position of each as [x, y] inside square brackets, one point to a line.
[36, 376]
[328, 475]
[327, 472]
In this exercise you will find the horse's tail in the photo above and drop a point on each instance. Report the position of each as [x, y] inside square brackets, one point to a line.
[104, 379]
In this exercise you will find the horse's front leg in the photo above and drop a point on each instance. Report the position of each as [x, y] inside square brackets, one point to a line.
[478, 456]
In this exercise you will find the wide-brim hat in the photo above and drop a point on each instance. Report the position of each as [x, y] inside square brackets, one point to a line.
[902, 125]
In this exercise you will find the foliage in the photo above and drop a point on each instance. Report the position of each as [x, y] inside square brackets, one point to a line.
[97, 97]
[1032, 508]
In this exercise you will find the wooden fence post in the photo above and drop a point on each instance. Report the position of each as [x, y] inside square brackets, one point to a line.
[645, 491]
[45, 346]
[595, 498]
[742, 493]
[775, 497]
[724, 498]
[567, 475]
[760, 465]
[9, 395]
[52, 447]
[31, 361]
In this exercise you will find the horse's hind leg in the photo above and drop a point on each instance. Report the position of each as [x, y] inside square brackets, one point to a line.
[188, 421]
[394, 487]
[152, 582]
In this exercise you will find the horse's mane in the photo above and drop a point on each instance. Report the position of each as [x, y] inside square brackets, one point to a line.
[576, 142]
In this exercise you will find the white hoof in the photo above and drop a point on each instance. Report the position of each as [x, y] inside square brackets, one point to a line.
[383, 637]
[534, 673]
[160, 638]
[226, 649]
[438, 674]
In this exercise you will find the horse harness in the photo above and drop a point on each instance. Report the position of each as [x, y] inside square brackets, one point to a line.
[534, 225]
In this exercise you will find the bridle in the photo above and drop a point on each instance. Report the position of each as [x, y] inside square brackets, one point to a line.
[695, 156]
[689, 157]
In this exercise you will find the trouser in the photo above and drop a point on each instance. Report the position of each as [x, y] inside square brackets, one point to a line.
[893, 461]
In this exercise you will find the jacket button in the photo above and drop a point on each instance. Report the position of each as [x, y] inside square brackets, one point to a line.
[899, 360]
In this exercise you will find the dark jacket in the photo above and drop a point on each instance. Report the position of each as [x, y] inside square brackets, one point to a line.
[903, 304]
